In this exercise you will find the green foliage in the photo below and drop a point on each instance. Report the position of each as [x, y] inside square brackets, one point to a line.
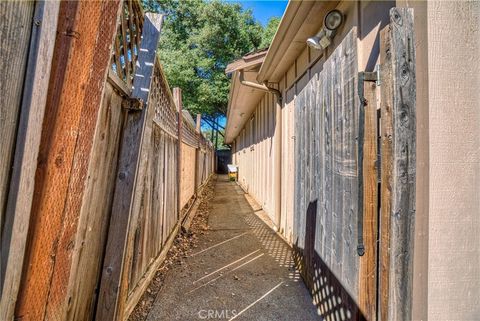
[269, 31]
[220, 138]
[199, 39]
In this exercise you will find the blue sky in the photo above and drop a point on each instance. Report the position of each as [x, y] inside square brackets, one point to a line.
[263, 10]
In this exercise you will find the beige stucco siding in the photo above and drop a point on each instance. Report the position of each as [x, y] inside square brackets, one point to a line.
[454, 130]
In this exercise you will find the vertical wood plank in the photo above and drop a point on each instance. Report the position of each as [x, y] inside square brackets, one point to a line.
[15, 28]
[351, 172]
[99, 56]
[111, 296]
[386, 169]
[320, 246]
[35, 88]
[177, 97]
[368, 262]
[339, 166]
[74, 94]
[276, 172]
[328, 194]
[398, 165]
[95, 212]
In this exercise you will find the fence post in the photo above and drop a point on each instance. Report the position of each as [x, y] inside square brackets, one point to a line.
[397, 54]
[113, 292]
[198, 152]
[177, 97]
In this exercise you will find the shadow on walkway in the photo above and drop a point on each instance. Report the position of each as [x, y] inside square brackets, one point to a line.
[241, 270]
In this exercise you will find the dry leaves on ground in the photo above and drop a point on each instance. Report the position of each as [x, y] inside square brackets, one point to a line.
[181, 247]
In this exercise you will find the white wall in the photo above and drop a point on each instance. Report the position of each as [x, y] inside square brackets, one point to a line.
[255, 155]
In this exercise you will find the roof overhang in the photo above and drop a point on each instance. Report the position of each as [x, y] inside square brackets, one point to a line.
[301, 20]
[242, 99]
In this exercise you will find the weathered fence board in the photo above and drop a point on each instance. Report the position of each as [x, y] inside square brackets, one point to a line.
[336, 180]
[96, 207]
[177, 98]
[92, 136]
[398, 165]
[15, 28]
[187, 173]
[326, 181]
[20, 194]
[368, 262]
[112, 291]
[157, 222]
[74, 95]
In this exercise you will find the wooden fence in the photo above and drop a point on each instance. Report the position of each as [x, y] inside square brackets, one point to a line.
[340, 225]
[93, 218]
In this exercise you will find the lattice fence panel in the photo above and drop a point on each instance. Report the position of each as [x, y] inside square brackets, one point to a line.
[127, 41]
[166, 115]
[189, 135]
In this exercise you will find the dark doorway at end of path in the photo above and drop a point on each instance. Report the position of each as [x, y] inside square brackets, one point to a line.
[223, 157]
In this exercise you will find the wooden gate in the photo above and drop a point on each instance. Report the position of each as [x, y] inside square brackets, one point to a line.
[353, 229]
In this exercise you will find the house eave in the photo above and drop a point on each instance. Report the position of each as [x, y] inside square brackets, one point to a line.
[301, 20]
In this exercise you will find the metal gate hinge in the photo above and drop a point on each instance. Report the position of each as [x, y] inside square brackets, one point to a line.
[132, 104]
[370, 76]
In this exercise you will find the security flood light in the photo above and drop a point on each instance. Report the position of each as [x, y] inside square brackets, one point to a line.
[333, 20]
[324, 36]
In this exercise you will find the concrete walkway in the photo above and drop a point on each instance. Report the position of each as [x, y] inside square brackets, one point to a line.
[241, 270]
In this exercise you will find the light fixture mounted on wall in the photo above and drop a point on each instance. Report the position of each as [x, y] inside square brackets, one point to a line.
[324, 36]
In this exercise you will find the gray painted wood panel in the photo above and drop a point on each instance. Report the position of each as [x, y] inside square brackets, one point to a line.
[326, 117]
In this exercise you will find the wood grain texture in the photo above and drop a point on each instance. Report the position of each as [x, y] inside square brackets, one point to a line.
[96, 206]
[17, 214]
[98, 53]
[74, 95]
[386, 170]
[368, 262]
[15, 28]
[398, 207]
[177, 98]
[112, 293]
[189, 164]
[326, 181]
[402, 213]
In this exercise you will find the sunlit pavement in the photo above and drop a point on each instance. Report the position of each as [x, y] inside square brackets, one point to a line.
[241, 270]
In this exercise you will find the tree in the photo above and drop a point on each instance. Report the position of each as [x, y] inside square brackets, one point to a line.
[269, 31]
[199, 39]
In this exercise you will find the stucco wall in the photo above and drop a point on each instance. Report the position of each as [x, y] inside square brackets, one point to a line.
[454, 220]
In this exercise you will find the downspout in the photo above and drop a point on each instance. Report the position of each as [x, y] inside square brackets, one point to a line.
[278, 167]
[258, 86]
